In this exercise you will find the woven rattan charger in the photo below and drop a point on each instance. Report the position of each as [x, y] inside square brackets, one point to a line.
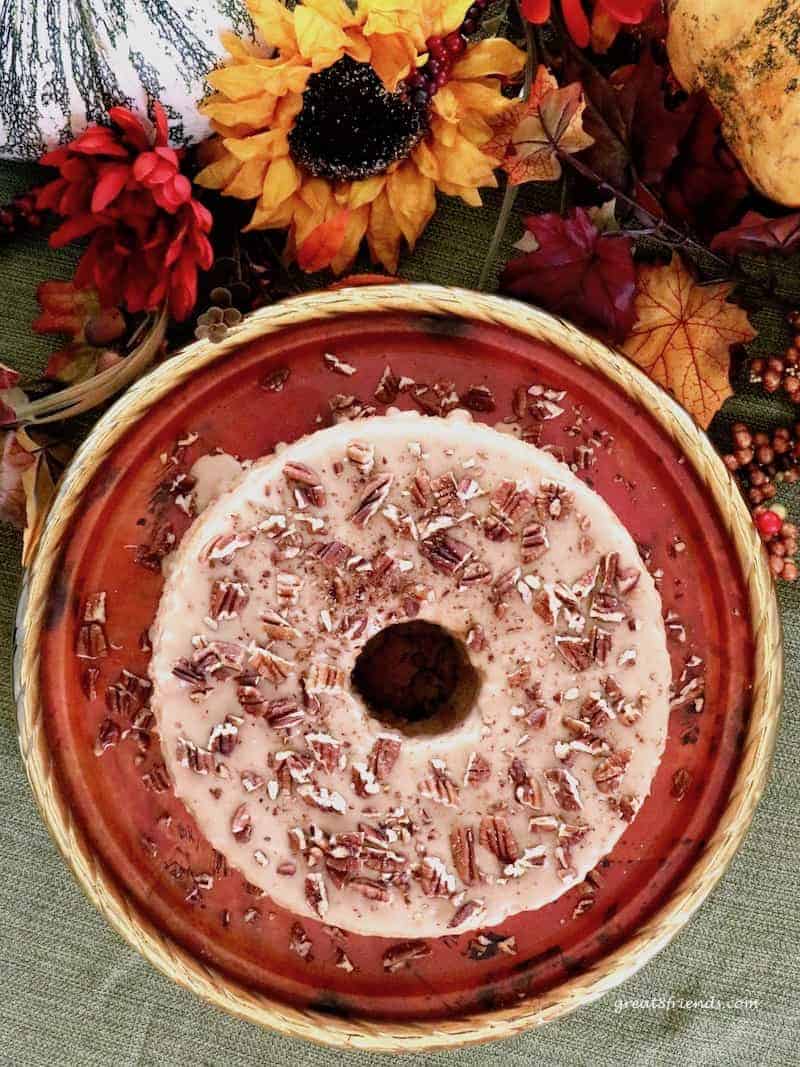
[370, 1034]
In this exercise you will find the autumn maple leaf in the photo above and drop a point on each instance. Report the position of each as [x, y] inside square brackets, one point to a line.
[683, 335]
[577, 271]
[758, 234]
[529, 137]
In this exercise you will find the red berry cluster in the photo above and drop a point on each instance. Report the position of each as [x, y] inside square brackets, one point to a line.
[780, 537]
[443, 52]
[781, 372]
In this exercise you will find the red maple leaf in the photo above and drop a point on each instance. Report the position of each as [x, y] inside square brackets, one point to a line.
[705, 185]
[576, 271]
[758, 234]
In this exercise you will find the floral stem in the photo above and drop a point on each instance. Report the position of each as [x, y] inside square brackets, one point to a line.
[510, 193]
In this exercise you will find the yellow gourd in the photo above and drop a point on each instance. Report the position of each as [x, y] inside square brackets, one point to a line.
[746, 55]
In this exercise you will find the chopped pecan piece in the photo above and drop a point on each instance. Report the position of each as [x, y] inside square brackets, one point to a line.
[228, 598]
[108, 735]
[316, 894]
[326, 749]
[362, 455]
[478, 769]
[322, 798]
[462, 847]
[609, 772]
[576, 651]
[445, 554]
[564, 789]
[225, 735]
[388, 387]
[300, 943]
[496, 835]
[242, 824]
[370, 888]
[403, 954]
[534, 542]
[526, 790]
[372, 500]
[268, 663]
[435, 879]
[364, 781]
[332, 554]
[440, 786]
[276, 380]
[223, 547]
[306, 482]
[323, 678]
[466, 912]
[278, 627]
[478, 398]
[384, 755]
[487, 945]
[421, 487]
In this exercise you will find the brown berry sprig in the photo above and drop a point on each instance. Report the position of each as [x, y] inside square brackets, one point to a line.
[781, 372]
[761, 460]
[19, 216]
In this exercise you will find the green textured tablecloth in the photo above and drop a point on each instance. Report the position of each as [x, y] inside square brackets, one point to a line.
[71, 992]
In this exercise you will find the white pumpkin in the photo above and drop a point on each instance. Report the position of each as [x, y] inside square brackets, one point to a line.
[63, 63]
[746, 54]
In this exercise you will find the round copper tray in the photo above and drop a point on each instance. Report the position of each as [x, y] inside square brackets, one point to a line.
[134, 848]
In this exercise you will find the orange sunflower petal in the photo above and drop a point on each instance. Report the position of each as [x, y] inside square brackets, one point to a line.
[354, 234]
[412, 198]
[357, 46]
[267, 145]
[384, 233]
[246, 80]
[393, 16]
[217, 174]
[275, 23]
[481, 96]
[321, 246]
[393, 56]
[281, 180]
[463, 163]
[426, 160]
[255, 113]
[271, 216]
[495, 55]
[335, 11]
[444, 16]
[363, 191]
[467, 193]
[249, 180]
[319, 39]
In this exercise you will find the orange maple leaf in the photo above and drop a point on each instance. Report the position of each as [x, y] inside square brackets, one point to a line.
[319, 249]
[683, 334]
[528, 138]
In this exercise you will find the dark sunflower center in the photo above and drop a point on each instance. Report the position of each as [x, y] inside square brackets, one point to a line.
[350, 127]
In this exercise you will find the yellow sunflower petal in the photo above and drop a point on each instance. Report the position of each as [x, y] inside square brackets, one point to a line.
[248, 181]
[463, 163]
[317, 195]
[364, 191]
[475, 129]
[393, 16]
[444, 16]
[357, 46]
[426, 160]
[282, 179]
[446, 105]
[335, 11]
[238, 48]
[272, 217]
[266, 145]
[319, 39]
[217, 174]
[356, 228]
[467, 193]
[412, 198]
[275, 23]
[443, 132]
[287, 110]
[255, 113]
[481, 96]
[246, 80]
[393, 57]
[384, 233]
[495, 55]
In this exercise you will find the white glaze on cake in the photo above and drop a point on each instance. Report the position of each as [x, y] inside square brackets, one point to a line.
[290, 776]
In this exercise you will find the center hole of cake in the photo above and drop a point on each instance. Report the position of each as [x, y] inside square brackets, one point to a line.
[416, 678]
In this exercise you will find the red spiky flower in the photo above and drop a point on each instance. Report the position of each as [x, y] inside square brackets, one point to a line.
[123, 187]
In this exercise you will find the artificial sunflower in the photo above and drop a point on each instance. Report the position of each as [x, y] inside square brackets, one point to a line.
[359, 115]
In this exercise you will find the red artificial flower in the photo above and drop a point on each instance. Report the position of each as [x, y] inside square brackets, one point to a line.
[630, 12]
[123, 188]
